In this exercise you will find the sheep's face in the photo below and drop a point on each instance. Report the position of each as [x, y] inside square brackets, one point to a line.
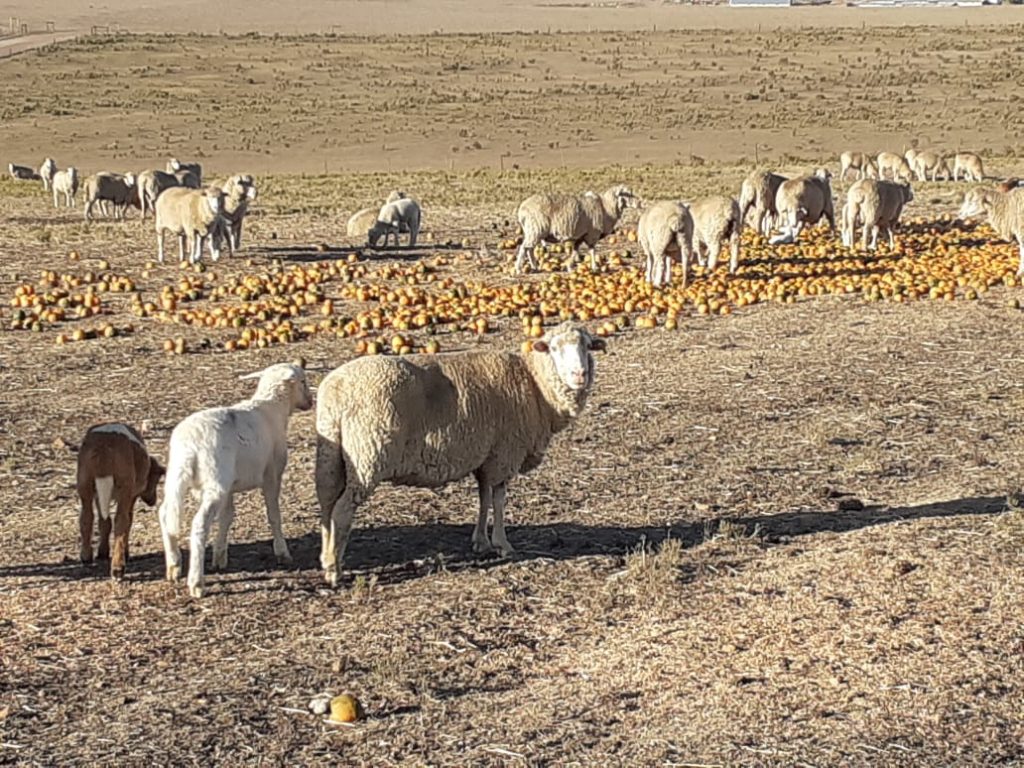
[908, 193]
[156, 472]
[302, 398]
[569, 347]
[129, 179]
[214, 200]
[624, 198]
[975, 204]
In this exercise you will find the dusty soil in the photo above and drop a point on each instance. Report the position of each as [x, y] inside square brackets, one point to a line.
[778, 537]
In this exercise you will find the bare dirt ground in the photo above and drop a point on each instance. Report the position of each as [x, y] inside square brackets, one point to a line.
[777, 537]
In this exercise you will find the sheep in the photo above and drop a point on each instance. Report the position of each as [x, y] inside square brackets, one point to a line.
[113, 467]
[1004, 212]
[665, 230]
[239, 191]
[805, 200]
[897, 167]
[715, 220]
[118, 189]
[758, 192]
[46, 171]
[969, 164]
[151, 183]
[931, 161]
[396, 194]
[1011, 183]
[565, 218]
[911, 157]
[191, 214]
[360, 223]
[428, 420]
[22, 173]
[393, 218]
[218, 452]
[878, 204]
[860, 162]
[65, 183]
[174, 166]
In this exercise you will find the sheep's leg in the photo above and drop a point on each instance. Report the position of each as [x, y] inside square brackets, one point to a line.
[874, 237]
[122, 524]
[56, 198]
[85, 523]
[685, 256]
[235, 232]
[209, 510]
[103, 549]
[220, 544]
[734, 250]
[272, 496]
[892, 238]
[481, 544]
[498, 538]
[170, 524]
[181, 247]
[714, 246]
[593, 256]
[342, 515]
[1020, 267]
[160, 246]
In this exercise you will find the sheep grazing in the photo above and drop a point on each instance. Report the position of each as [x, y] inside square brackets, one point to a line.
[758, 193]
[896, 166]
[564, 218]
[46, 171]
[113, 468]
[716, 220]
[65, 183]
[665, 230]
[969, 165]
[115, 188]
[22, 173]
[803, 201]
[879, 205]
[192, 215]
[175, 166]
[400, 215]
[428, 420]
[1004, 212]
[863, 164]
[361, 222]
[222, 451]
[931, 162]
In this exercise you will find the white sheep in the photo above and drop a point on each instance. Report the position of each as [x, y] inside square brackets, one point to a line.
[969, 165]
[175, 166]
[428, 420]
[46, 171]
[192, 215]
[400, 215]
[862, 163]
[879, 205]
[932, 162]
[395, 194]
[115, 188]
[113, 468]
[758, 193]
[1004, 212]
[219, 452]
[570, 219]
[65, 182]
[715, 220]
[804, 200]
[665, 230]
[239, 191]
[895, 165]
[361, 222]
[22, 172]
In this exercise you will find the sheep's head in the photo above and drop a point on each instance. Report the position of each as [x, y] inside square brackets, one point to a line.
[823, 173]
[378, 230]
[396, 194]
[156, 472]
[129, 179]
[907, 192]
[175, 165]
[623, 197]
[284, 381]
[976, 202]
[214, 199]
[569, 348]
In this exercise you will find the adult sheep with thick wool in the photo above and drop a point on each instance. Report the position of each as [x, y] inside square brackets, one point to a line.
[805, 200]
[118, 189]
[879, 205]
[757, 193]
[1004, 211]
[428, 420]
[65, 182]
[219, 452]
[968, 165]
[361, 222]
[896, 166]
[665, 230]
[931, 162]
[191, 214]
[716, 220]
[859, 162]
[572, 219]
[400, 215]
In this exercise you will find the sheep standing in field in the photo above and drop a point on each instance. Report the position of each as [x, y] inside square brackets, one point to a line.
[665, 230]
[896, 166]
[115, 188]
[804, 201]
[361, 222]
[758, 193]
[932, 162]
[862, 163]
[716, 220]
[219, 452]
[113, 468]
[429, 420]
[192, 215]
[46, 171]
[1004, 212]
[150, 184]
[65, 183]
[22, 173]
[175, 166]
[400, 215]
[239, 191]
[969, 165]
[879, 205]
[565, 218]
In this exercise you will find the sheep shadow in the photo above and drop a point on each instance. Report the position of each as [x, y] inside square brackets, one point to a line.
[311, 253]
[397, 553]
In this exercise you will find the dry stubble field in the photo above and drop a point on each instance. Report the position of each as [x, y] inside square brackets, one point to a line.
[693, 583]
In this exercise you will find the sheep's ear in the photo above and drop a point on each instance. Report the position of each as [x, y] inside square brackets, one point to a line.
[300, 362]
[540, 346]
[598, 345]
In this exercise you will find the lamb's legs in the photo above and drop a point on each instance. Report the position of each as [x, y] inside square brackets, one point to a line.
[480, 541]
[160, 246]
[122, 525]
[106, 523]
[209, 510]
[272, 495]
[181, 248]
[220, 544]
[341, 525]
[170, 516]
[498, 538]
[85, 522]
[713, 248]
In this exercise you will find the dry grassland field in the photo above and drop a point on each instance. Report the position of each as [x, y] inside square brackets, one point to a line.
[785, 531]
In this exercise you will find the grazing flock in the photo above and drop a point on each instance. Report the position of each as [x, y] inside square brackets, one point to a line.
[491, 415]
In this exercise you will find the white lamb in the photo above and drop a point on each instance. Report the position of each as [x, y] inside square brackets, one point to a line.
[400, 215]
[219, 452]
[65, 182]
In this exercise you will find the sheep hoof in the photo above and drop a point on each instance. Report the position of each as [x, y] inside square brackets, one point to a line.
[284, 558]
[196, 590]
[505, 549]
[117, 574]
[482, 546]
[85, 556]
[220, 559]
[331, 577]
[173, 572]
[103, 554]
